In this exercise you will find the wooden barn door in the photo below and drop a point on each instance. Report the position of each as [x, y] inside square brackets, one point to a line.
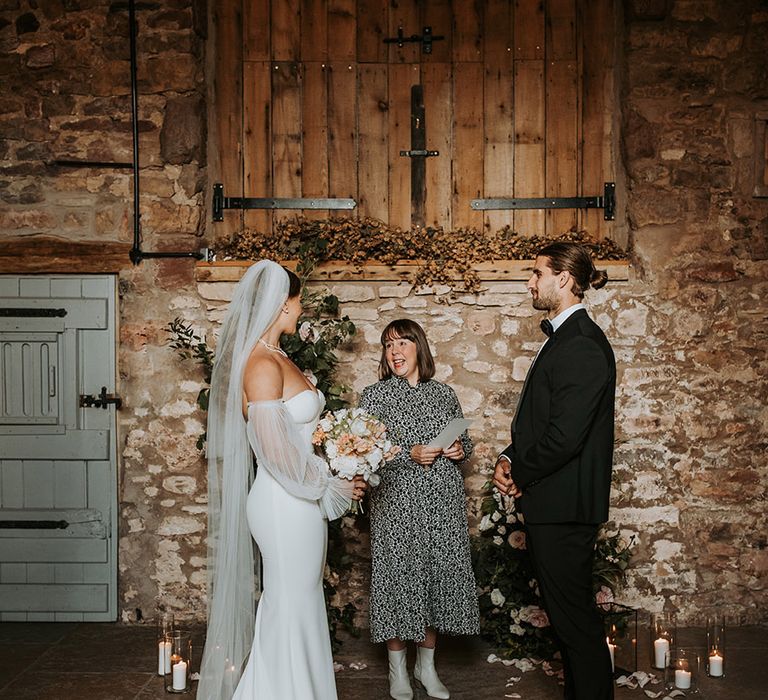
[58, 476]
[518, 100]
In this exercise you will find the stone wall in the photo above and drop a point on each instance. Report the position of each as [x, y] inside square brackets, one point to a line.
[689, 328]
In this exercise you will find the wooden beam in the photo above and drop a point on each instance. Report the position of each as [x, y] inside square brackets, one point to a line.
[47, 254]
[336, 271]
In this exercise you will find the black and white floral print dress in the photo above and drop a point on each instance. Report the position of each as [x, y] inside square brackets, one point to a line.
[421, 564]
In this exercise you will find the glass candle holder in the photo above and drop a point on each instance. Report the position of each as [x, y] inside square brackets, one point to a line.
[179, 670]
[663, 633]
[620, 624]
[164, 621]
[715, 646]
[682, 671]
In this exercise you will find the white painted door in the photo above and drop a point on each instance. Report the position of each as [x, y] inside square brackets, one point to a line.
[58, 466]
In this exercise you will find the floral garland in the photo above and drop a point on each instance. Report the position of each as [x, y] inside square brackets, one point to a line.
[442, 256]
[511, 614]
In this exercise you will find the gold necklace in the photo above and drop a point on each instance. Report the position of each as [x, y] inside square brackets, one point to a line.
[273, 348]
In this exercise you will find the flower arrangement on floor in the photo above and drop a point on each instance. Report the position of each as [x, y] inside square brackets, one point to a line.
[442, 256]
[511, 614]
[312, 348]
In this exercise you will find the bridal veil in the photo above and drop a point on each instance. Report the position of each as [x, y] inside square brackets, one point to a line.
[256, 304]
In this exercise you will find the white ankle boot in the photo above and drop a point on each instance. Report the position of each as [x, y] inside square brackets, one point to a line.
[425, 673]
[399, 685]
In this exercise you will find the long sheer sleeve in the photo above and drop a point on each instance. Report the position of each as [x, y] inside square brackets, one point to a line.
[281, 449]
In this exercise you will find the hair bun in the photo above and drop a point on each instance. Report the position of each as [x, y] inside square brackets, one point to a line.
[598, 278]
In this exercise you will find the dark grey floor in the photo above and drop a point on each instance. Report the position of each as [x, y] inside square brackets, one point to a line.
[116, 662]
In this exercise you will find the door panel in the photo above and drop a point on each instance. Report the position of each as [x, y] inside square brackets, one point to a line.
[58, 477]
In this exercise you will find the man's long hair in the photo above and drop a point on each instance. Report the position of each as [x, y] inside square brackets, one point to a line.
[575, 259]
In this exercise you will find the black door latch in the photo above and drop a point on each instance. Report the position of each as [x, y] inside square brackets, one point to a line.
[101, 401]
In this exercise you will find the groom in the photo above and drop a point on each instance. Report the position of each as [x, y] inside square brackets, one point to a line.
[559, 462]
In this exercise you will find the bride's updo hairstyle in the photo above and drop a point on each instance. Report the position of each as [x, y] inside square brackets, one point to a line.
[575, 259]
[294, 284]
[409, 330]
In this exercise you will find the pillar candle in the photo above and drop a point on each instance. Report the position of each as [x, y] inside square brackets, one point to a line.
[163, 657]
[716, 665]
[612, 651]
[682, 679]
[180, 676]
[660, 649]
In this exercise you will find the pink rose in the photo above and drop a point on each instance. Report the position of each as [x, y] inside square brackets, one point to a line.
[516, 539]
[604, 595]
[534, 616]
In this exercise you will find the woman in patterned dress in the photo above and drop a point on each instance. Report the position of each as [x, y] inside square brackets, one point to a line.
[422, 580]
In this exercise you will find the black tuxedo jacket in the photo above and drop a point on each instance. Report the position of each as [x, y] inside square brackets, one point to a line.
[562, 444]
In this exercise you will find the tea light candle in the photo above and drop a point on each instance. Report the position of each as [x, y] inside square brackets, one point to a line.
[682, 679]
[163, 657]
[716, 665]
[180, 675]
[660, 649]
[612, 651]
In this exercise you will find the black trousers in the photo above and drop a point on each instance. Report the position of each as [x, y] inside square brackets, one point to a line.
[562, 555]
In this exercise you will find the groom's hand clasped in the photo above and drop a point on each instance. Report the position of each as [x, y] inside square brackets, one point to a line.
[502, 479]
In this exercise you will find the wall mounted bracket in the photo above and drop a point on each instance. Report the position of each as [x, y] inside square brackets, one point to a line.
[220, 202]
[607, 202]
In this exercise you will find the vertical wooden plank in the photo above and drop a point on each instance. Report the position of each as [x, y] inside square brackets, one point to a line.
[256, 29]
[467, 176]
[314, 141]
[372, 28]
[419, 164]
[342, 136]
[286, 129]
[373, 169]
[69, 288]
[257, 140]
[342, 30]
[498, 30]
[69, 485]
[227, 163]
[436, 78]
[286, 30]
[404, 14]
[314, 30]
[499, 157]
[561, 142]
[529, 143]
[38, 484]
[561, 30]
[401, 77]
[438, 14]
[12, 480]
[467, 43]
[596, 23]
[529, 29]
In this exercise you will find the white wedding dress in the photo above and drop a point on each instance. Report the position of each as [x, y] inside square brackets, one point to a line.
[291, 654]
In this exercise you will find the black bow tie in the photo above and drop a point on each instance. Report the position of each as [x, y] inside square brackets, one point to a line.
[546, 327]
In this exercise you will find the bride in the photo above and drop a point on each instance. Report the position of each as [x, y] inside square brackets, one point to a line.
[261, 404]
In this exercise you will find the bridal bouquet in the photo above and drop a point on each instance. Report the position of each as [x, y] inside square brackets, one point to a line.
[355, 443]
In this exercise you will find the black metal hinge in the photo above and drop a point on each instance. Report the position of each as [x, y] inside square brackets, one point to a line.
[33, 524]
[425, 39]
[220, 202]
[32, 313]
[419, 153]
[607, 202]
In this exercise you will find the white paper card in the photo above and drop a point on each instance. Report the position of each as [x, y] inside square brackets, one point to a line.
[450, 433]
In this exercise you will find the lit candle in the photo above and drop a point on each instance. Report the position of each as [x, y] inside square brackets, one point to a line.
[682, 679]
[716, 665]
[163, 657]
[612, 651]
[660, 649]
[180, 675]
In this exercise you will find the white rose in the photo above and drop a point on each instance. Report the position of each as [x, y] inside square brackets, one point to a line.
[358, 427]
[374, 457]
[497, 540]
[344, 466]
[485, 523]
[497, 597]
[496, 516]
[516, 629]
[330, 449]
